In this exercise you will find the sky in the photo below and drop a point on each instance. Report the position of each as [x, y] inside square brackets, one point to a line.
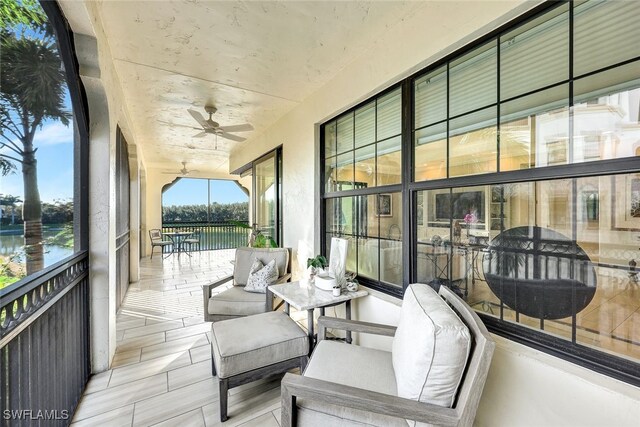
[55, 163]
[54, 142]
[193, 191]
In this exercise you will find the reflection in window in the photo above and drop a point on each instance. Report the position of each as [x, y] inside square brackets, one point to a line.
[431, 153]
[606, 114]
[473, 143]
[368, 144]
[534, 130]
[558, 263]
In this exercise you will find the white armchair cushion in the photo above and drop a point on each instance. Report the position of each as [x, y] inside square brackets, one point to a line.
[261, 276]
[430, 348]
[246, 256]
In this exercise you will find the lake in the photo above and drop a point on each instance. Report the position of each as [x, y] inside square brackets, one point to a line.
[11, 244]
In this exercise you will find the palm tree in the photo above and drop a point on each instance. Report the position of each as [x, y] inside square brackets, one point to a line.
[32, 85]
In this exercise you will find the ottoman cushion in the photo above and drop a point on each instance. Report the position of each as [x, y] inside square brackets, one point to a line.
[248, 343]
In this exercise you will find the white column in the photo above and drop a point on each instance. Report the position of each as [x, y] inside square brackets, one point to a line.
[102, 209]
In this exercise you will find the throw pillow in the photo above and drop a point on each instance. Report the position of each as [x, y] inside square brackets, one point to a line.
[262, 277]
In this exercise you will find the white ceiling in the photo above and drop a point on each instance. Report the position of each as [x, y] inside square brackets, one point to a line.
[254, 61]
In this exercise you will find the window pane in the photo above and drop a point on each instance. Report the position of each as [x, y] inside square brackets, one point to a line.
[431, 153]
[431, 98]
[391, 262]
[433, 236]
[389, 114]
[606, 114]
[345, 133]
[607, 209]
[366, 167]
[473, 80]
[330, 174]
[606, 33]
[344, 171]
[330, 139]
[534, 130]
[366, 216]
[368, 257]
[473, 143]
[340, 216]
[536, 54]
[365, 118]
[389, 162]
[368, 230]
[389, 210]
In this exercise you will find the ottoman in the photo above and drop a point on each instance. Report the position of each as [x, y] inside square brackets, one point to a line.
[254, 347]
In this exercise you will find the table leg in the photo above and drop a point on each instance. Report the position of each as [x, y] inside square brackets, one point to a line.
[321, 311]
[348, 316]
[286, 307]
[310, 329]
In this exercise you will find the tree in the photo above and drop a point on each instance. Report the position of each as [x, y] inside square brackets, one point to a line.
[32, 85]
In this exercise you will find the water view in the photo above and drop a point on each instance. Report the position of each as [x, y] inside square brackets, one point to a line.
[13, 258]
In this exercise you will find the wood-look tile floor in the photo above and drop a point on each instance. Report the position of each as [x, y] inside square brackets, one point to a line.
[161, 372]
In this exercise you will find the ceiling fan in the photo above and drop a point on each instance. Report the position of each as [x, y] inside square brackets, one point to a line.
[184, 171]
[211, 127]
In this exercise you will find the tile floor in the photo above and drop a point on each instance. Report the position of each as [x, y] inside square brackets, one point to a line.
[161, 372]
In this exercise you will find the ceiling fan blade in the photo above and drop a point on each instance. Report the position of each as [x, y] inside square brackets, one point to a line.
[199, 118]
[199, 135]
[232, 137]
[237, 128]
[177, 125]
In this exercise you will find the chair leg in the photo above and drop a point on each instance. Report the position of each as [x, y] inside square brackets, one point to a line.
[152, 248]
[224, 389]
[213, 364]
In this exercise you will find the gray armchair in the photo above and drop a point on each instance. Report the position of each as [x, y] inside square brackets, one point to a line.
[235, 301]
[439, 383]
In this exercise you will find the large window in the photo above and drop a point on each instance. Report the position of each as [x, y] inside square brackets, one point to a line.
[523, 183]
[363, 156]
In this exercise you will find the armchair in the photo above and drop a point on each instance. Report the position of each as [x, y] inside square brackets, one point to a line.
[352, 385]
[235, 301]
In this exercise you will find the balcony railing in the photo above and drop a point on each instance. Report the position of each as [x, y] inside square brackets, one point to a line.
[212, 235]
[44, 344]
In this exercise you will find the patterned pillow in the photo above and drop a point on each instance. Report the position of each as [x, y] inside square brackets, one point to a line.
[260, 277]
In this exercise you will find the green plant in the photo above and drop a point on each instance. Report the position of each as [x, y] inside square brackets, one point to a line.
[256, 238]
[319, 261]
[262, 241]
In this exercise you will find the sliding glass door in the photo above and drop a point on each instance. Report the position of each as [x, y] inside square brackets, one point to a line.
[267, 172]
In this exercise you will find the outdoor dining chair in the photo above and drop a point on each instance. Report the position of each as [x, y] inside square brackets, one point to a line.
[192, 240]
[157, 240]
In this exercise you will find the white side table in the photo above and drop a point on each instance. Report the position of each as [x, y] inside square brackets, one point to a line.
[305, 296]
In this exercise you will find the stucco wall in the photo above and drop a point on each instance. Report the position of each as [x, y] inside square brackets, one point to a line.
[525, 387]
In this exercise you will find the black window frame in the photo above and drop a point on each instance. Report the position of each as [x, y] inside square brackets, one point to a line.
[614, 366]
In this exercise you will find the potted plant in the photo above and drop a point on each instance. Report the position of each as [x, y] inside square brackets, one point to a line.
[256, 238]
[316, 264]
